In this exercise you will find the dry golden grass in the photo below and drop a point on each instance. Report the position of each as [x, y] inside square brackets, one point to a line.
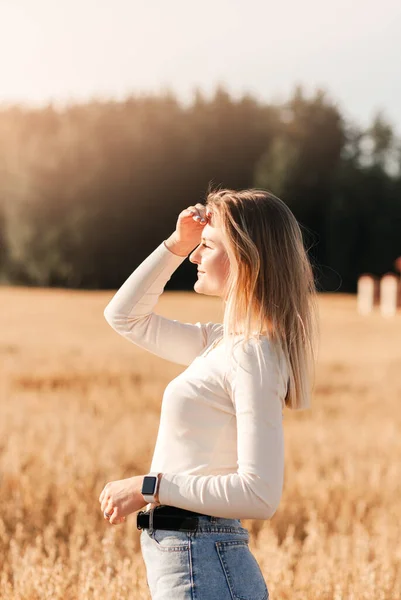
[80, 406]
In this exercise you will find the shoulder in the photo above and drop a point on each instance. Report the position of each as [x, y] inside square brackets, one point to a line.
[251, 350]
[256, 376]
[257, 357]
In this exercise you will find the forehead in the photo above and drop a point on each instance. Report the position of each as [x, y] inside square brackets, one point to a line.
[211, 234]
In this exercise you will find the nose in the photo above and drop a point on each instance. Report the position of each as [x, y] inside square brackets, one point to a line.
[193, 257]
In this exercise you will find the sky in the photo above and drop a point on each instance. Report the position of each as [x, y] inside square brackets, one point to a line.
[74, 50]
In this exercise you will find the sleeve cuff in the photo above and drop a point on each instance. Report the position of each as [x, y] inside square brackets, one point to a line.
[164, 489]
[173, 253]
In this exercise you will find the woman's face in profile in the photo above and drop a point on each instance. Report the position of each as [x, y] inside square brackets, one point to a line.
[213, 263]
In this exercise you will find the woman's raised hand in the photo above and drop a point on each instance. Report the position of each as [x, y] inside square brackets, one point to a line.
[190, 224]
[189, 227]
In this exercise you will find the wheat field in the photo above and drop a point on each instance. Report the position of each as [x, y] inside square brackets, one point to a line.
[80, 407]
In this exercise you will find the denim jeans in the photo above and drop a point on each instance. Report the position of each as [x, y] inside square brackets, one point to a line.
[212, 563]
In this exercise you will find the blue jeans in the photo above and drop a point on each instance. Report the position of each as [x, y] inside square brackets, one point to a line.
[212, 563]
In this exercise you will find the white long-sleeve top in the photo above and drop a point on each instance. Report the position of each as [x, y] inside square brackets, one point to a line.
[220, 443]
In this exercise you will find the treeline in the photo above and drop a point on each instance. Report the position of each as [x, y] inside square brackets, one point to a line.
[87, 192]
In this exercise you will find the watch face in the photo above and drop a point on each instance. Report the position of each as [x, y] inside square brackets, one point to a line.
[149, 485]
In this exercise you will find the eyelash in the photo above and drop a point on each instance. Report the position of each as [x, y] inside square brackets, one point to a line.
[203, 244]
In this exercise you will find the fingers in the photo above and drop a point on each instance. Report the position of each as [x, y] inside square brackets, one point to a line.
[204, 211]
[107, 507]
[198, 213]
[105, 503]
[104, 492]
[110, 513]
[114, 515]
[115, 518]
[201, 212]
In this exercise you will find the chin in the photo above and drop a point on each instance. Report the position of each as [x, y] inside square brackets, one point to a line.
[199, 289]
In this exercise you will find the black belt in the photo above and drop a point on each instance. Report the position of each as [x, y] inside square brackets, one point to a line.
[168, 517]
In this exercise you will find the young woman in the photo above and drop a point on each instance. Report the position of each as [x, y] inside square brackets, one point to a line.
[219, 454]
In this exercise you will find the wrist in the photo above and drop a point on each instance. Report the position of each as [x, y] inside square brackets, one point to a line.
[155, 494]
[159, 477]
[177, 247]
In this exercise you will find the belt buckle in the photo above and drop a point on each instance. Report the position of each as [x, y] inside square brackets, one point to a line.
[141, 512]
[151, 511]
[137, 519]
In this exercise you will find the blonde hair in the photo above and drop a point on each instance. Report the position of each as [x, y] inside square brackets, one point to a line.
[270, 287]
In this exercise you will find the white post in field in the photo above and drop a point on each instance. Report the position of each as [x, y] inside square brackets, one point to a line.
[388, 295]
[366, 292]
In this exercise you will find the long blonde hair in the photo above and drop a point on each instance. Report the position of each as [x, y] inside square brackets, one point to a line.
[270, 285]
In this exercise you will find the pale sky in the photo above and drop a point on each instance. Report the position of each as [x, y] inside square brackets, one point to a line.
[72, 50]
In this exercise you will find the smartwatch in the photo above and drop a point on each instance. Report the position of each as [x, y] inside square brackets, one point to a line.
[150, 487]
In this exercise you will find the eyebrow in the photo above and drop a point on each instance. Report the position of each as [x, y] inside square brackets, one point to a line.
[207, 240]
